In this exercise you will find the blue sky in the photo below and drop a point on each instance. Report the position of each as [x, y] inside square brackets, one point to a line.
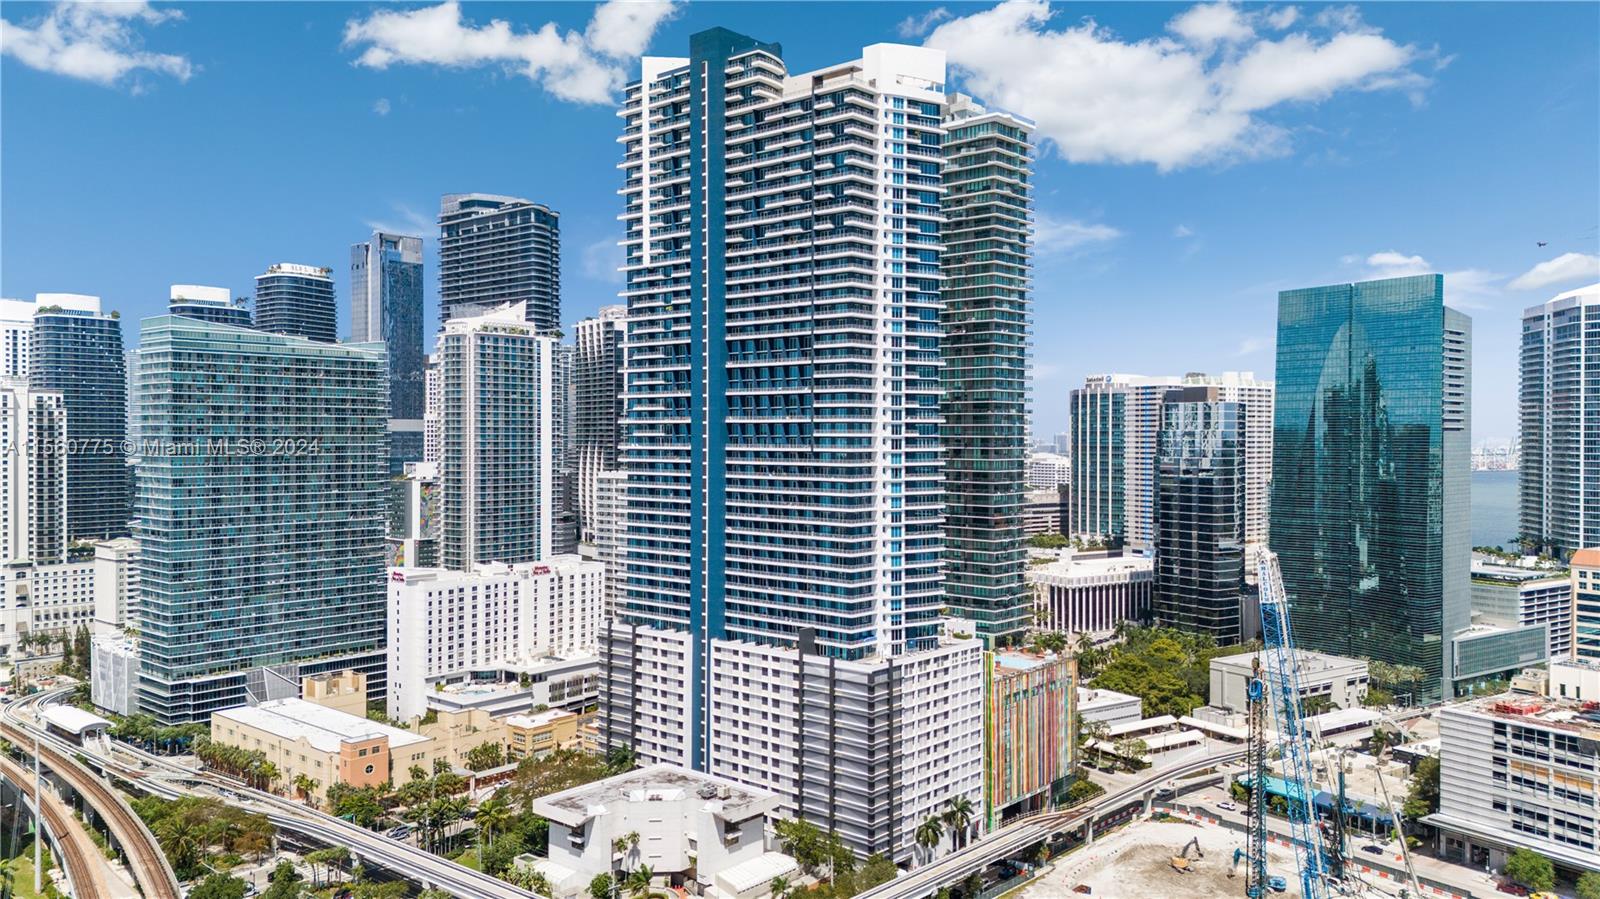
[1196, 159]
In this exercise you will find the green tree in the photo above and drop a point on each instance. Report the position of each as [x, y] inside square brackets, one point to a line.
[8, 878]
[486, 755]
[779, 887]
[930, 833]
[620, 758]
[638, 882]
[600, 887]
[1423, 798]
[1530, 869]
[876, 870]
[306, 786]
[219, 886]
[958, 815]
[1589, 885]
[1047, 541]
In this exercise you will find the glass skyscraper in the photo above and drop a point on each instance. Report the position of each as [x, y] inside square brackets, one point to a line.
[1371, 459]
[261, 517]
[1199, 515]
[495, 250]
[987, 199]
[386, 307]
[597, 398]
[77, 352]
[297, 300]
[1560, 423]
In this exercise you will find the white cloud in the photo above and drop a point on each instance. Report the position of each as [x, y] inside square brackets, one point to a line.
[1566, 267]
[381, 107]
[406, 221]
[584, 68]
[1192, 97]
[1053, 235]
[96, 42]
[917, 26]
[1250, 346]
[1183, 231]
[1468, 288]
[602, 260]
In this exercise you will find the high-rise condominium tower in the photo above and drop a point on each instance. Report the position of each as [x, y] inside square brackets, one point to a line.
[77, 352]
[988, 191]
[497, 453]
[564, 451]
[209, 304]
[297, 300]
[495, 250]
[782, 437]
[261, 523]
[1560, 468]
[1200, 508]
[386, 307]
[1255, 399]
[1115, 422]
[1371, 457]
[33, 474]
[597, 387]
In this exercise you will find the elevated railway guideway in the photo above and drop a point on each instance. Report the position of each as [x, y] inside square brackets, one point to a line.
[88, 875]
[1014, 838]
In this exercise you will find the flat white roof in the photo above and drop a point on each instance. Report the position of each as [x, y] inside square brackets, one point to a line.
[76, 720]
[322, 727]
[1342, 718]
[1232, 733]
[538, 718]
[748, 875]
[1089, 697]
[1143, 724]
[201, 292]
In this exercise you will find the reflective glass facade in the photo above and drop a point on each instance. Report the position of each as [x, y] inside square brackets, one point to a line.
[386, 307]
[987, 200]
[261, 521]
[78, 354]
[1559, 476]
[1371, 458]
[495, 250]
[1200, 506]
[297, 300]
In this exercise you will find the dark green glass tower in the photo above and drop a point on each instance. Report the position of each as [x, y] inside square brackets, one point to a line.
[1371, 467]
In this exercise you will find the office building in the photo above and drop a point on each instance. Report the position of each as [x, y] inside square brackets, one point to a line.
[597, 388]
[1028, 732]
[297, 300]
[520, 686]
[116, 586]
[208, 304]
[1559, 479]
[1586, 604]
[1092, 593]
[1485, 655]
[538, 734]
[33, 474]
[386, 308]
[1109, 707]
[1044, 512]
[1115, 425]
[496, 250]
[1255, 399]
[261, 526]
[1342, 681]
[77, 352]
[1508, 596]
[1517, 772]
[985, 263]
[1370, 492]
[444, 624]
[497, 421]
[1200, 505]
[1048, 470]
[682, 825]
[784, 512]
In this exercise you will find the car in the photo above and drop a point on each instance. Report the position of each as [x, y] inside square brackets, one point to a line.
[1375, 849]
[1507, 886]
[1082, 888]
[398, 833]
[1278, 884]
[1226, 806]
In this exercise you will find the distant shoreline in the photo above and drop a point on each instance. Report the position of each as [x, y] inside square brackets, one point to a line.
[1494, 507]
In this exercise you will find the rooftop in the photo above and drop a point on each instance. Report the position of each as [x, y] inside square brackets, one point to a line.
[1090, 566]
[657, 783]
[1557, 714]
[538, 719]
[1587, 558]
[322, 727]
[1310, 662]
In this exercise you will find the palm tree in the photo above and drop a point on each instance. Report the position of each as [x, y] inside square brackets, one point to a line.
[929, 834]
[1097, 731]
[638, 882]
[958, 814]
[492, 815]
[780, 887]
[306, 786]
[180, 840]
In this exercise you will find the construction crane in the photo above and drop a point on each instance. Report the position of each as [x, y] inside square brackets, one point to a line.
[1279, 691]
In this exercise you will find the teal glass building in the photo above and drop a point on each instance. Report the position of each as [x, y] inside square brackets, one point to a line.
[1371, 466]
[78, 353]
[261, 502]
[1199, 515]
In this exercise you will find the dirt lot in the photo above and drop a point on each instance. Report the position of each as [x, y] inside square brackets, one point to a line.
[1135, 863]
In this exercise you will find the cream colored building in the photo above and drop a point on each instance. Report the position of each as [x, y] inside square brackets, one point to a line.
[541, 733]
[325, 744]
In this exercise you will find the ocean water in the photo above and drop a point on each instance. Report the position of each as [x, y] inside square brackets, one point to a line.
[1494, 507]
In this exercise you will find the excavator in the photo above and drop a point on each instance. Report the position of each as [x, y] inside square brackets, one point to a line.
[1180, 862]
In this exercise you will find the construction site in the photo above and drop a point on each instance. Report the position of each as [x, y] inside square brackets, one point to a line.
[1142, 860]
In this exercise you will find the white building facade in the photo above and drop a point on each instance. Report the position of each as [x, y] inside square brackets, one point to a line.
[444, 624]
[1048, 470]
[1092, 594]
